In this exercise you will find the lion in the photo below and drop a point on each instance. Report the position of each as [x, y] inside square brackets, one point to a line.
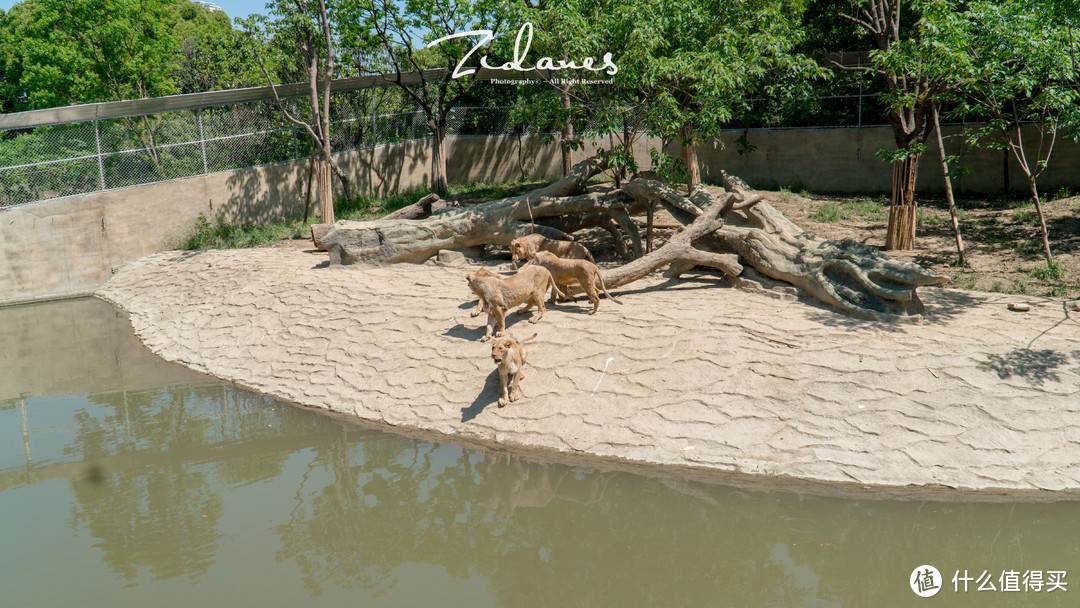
[482, 272]
[497, 294]
[523, 248]
[509, 355]
[568, 272]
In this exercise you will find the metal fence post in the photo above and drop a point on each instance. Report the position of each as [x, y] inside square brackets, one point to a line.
[202, 141]
[100, 163]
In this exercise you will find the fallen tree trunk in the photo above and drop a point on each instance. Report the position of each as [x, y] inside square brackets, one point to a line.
[726, 233]
[422, 208]
[846, 275]
[679, 251]
[496, 222]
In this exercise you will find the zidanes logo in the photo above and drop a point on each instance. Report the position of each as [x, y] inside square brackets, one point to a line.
[520, 52]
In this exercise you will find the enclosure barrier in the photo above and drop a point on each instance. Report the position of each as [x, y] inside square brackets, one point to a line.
[57, 152]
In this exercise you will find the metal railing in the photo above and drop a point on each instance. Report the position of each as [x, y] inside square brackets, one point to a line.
[60, 160]
[83, 149]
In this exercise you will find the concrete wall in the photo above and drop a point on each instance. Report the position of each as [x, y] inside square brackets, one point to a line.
[845, 160]
[71, 246]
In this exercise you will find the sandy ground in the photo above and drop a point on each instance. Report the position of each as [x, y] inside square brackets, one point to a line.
[687, 373]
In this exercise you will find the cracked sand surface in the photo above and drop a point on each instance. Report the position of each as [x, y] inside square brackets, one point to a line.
[692, 374]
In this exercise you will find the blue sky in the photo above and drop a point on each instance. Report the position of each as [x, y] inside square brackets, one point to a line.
[232, 8]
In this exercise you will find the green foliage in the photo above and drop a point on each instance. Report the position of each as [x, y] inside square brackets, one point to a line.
[219, 234]
[956, 170]
[869, 209]
[863, 208]
[621, 160]
[1062, 192]
[828, 213]
[693, 60]
[370, 206]
[1024, 215]
[667, 167]
[1047, 272]
[901, 154]
[212, 56]
[925, 218]
[207, 234]
[92, 50]
[743, 145]
[963, 280]
[1020, 69]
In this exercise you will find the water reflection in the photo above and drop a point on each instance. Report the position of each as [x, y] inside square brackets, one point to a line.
[210, 486]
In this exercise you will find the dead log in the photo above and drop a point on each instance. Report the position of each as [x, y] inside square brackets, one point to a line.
[728, 232]
[846, 275]
[623, 221]
[496, 222]
[680, 251]
[423, 208]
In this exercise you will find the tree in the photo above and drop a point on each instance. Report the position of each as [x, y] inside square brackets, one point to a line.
[906, 59]
[1021, 74]
[400, 35]
[307, 25]
[211, 56]
[692, 62]
[12, 98]
[94, 50]
[571, 31]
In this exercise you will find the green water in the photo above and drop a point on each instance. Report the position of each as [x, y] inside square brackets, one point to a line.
[126, 481]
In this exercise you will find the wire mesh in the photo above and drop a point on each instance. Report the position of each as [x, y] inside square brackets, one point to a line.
[60, 160]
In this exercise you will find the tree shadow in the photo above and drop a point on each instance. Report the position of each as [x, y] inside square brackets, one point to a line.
[942, 307]
[1066, 234]
[489, 394]
[1035, 366]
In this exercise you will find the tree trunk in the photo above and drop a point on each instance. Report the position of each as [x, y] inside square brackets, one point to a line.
[901, 231]
[690, 159]
[496, 222]
[567, 132]
[1044, 233]
[326, 190]
[679, 250]
[310, 175]
[422, 208]
[948, 190]
[438, 160]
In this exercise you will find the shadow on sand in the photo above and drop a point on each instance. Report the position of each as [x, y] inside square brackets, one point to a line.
[488, 395]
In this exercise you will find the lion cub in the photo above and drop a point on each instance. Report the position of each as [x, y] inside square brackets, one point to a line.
[568, 272]
[509, 356]
[497, 295]
[523, 248]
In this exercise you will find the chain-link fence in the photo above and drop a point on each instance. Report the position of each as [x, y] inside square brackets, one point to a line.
[57, 160]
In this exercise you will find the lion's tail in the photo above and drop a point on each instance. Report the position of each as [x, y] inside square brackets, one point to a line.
[554, 287]
[527, 339]
[600, 279]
